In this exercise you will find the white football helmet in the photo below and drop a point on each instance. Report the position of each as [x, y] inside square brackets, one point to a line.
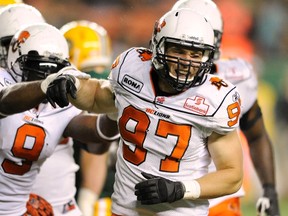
[12, 18]
[187, 28]
[211, 12]
[36, 51]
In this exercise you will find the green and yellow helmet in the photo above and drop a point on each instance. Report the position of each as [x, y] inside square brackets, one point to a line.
[89, 47]
[4, 3]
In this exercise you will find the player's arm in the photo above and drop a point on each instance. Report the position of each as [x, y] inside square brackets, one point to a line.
[71, 85]
[92, 182]
[96, 131]
[20, 97]
[226, 152]
[94, 95]
[261, 151]
[260, 146]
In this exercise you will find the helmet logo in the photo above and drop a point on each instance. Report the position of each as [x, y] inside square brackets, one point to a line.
[216, 81]
[145, 54]
[23, 36]
[159, 26]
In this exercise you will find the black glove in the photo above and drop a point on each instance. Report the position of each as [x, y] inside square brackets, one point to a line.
[269, 202]
[58, 90]
[158, 190]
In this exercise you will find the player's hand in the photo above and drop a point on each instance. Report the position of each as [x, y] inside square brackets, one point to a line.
[157, 189]
[58, 86]
[268, 204]
[59, 89]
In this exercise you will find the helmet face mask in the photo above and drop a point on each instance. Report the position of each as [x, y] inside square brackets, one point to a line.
[4, 46]
[171, 30]
[194, 70]
[35, 67]
[37, 51]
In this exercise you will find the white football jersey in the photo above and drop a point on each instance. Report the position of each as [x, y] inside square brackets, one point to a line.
[26, 140]
[58, 174]
[165, 135]
[240, 73]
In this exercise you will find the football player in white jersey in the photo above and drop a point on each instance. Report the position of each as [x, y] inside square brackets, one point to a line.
[30, 127]
[52, 172]
[62, 198]
[241, 74]
[173, 117]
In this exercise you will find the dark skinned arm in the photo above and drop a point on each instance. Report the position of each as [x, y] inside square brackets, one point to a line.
[260, 146]
[20, 97]
[83, 128]
[262, 155]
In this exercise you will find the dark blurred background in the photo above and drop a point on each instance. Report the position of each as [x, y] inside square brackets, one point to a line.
[255, 30]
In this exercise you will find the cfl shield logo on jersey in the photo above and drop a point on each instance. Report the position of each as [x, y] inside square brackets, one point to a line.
[132, 83]
[197, 105]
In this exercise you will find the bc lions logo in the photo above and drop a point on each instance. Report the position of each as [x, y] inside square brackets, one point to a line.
[159, 26]
[144, 54]
[23, 36]
[216, 81]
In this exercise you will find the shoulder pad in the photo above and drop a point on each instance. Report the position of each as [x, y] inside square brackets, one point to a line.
[235, 70]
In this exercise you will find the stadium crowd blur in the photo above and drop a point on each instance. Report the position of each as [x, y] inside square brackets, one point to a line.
[256, 30]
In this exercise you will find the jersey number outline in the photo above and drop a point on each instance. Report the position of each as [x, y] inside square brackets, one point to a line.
[164, 128]
[20, 151]
[233, 111]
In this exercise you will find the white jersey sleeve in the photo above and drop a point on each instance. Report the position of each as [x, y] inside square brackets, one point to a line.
[56, 179]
